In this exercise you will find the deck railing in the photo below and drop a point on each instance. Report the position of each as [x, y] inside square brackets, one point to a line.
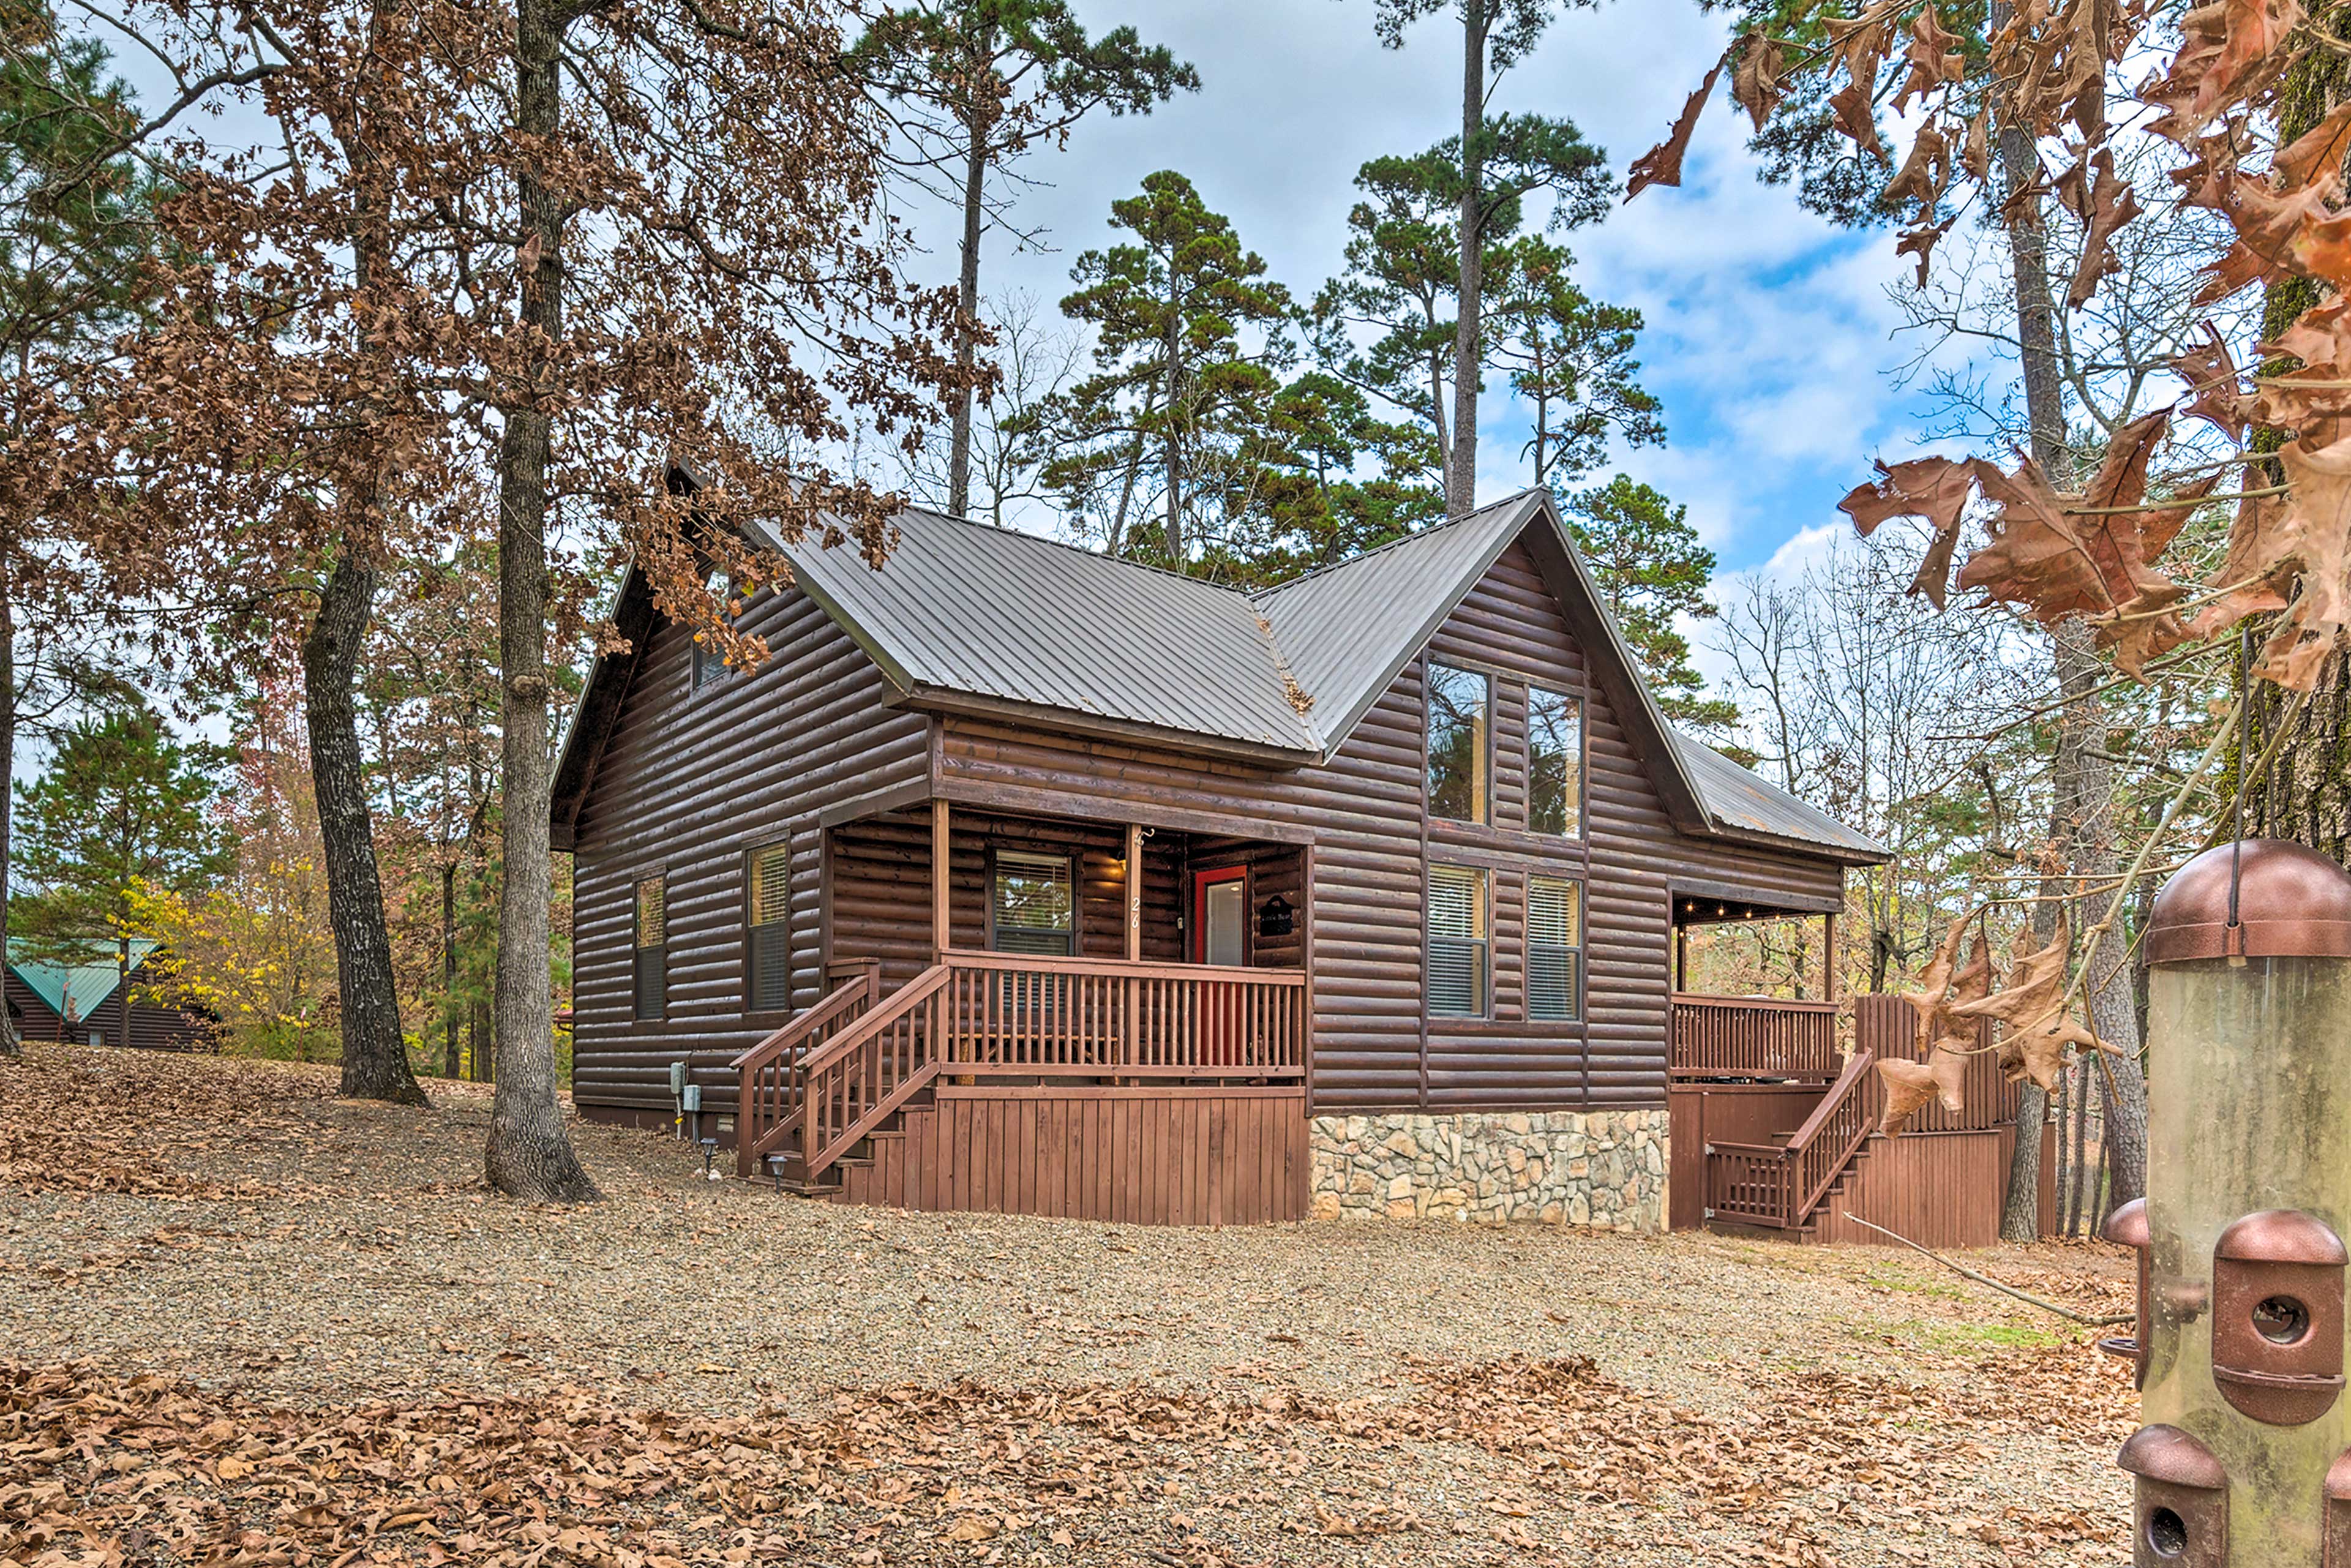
[1756, 1037]
[1779, 1187]
[998, 1013]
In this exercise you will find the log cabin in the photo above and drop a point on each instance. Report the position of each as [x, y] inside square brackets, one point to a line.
[1019, 878]
[87, 1004]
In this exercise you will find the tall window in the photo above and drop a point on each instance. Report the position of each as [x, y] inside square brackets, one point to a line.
[770, 915]
[1457, 942]
[1554, 762]
[1458, 703]
[652, 947]
[1033, 910]
[1554, 949]
[708, 665]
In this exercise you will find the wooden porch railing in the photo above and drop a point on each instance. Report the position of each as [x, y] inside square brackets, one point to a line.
[1779, 1187]
[1024, 1016]
[1758, 1037]
[768, 1107]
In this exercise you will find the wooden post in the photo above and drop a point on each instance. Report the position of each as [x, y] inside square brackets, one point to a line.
[1681, 957]
[1134, 892]
[1828, 956]
[941, 865]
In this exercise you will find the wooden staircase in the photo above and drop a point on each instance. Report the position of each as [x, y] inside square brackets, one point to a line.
[1786, 1186]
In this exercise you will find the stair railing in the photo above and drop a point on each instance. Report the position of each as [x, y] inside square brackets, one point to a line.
[771, 1100]
[1781, 1186]
[859, 1078]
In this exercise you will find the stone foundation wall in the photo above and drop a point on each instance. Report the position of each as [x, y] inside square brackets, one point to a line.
[1605, 1169]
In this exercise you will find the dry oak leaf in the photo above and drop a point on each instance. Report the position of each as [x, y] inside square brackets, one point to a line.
[1935, 980]
[2058, 562]
[1850, 105]
[2033, 1006]
[1920, 242]
[2107, 203]
[2228, 50]
[1662, 164]
[1924, 172]
[1755, 78]
[2315, 534]
[1933, 55]
[2216, 395]
[1910, 1085]
[1935, 488]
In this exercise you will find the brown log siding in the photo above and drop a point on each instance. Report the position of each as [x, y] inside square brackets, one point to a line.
[690, 782]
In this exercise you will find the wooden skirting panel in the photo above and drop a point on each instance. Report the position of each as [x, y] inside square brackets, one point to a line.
[1140, 1156]
[1938, 1189]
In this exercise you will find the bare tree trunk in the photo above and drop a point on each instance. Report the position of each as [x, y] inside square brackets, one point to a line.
[449, 970]
[2306, 794]
[375, 1057]
[967, 333]
[2020, 1215]
[529, 1154]
[1461, 458]
[11, 1044]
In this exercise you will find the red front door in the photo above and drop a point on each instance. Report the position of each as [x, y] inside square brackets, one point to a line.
[1220, 936]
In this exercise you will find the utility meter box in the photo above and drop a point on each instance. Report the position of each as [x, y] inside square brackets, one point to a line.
[2277, 1316]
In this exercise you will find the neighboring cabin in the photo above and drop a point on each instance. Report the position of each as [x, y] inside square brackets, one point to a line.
[1022, 878]
[80, 1002]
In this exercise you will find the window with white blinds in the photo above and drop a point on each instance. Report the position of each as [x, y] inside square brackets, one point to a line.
[1457, 942]
[771, 928]
[652, 947]
[1033, 909]
[1554, 949]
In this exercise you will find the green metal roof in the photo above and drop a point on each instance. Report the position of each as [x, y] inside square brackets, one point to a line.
[72, 991]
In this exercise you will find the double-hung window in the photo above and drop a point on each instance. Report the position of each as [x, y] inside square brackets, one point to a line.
[770, 914]
[1554, 949]
[1460, 704]
[1033, 908]
[1457, 942]
[1554, 762]
[652, 947]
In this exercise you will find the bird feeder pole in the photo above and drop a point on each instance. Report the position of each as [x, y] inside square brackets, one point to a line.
[2244, 1459]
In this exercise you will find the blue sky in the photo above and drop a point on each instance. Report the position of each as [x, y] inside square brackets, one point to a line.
[1768, 332]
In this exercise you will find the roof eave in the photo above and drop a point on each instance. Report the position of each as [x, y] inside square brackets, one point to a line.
[1849, 854]
[1103, 727]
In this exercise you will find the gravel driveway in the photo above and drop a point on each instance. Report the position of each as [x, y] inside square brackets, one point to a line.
[961, 1387]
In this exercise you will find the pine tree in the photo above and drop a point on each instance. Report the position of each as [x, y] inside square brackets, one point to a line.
[1188, 339]
[1402, 287]
[74, 230]
[986, 82]
[119, 814]
[1651, 567]
[1494, 164]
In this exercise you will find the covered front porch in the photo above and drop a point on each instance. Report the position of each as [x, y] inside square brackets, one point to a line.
[1060, 966]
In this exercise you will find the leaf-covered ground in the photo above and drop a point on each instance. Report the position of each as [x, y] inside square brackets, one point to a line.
[242, 1323]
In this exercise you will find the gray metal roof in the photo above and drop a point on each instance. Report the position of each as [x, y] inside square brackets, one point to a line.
[966, 613]
[1740, 799]
[1347, 629]
[963, 607]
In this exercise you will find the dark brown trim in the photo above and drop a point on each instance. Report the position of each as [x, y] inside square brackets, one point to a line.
[936, 699]
[1681, 887]
[1022, 800]
[1306, 960]
[875, 803]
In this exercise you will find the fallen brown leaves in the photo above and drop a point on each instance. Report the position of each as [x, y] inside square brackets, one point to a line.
[122, 1121]
[105, 1468]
